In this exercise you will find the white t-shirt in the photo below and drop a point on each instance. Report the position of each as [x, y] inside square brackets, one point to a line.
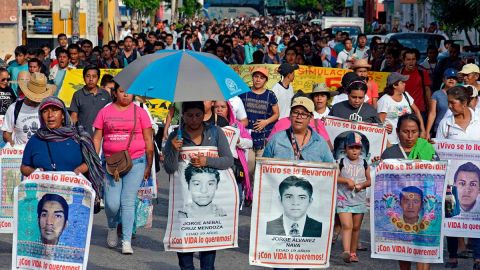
[344, 58]
[394, 110]
[284, 97]
[238, 108]
[328, 55]
[448, 129]
[27, 123]
[361, 54]
[317, 115]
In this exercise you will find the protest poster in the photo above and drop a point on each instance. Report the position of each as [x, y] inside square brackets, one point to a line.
[407, 210]
[10, 177]
[292, 214]
[73, 82]
[374, 136]
[306, 76]
[203, 206]
[150, 188]
[53, 214]
[232, 134]
[462, 203]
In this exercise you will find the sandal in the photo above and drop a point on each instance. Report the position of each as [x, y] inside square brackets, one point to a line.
[353, 257]
[463, 254]
[346, 256]
[335, 238]
[361, 248]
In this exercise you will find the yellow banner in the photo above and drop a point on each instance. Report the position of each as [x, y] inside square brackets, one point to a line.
[74, 81]
[306, 76]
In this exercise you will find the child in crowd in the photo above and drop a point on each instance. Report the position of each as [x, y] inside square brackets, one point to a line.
[354, 178]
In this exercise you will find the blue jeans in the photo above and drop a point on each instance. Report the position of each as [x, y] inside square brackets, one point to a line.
[207, 260]
[120, 197]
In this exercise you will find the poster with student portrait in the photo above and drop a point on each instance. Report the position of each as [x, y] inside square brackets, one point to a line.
[53, 221]
[203, 206]
[292, 214]
[10, 177]
[462, 200]
[407, 207]
[374, 136]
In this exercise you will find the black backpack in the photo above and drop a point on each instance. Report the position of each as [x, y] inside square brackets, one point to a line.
[16, 111]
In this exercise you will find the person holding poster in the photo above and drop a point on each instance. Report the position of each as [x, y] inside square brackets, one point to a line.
[355, 108]
[463, 124]
[225, 109]
[299, 142]
[197, 133]
[410, 146]
[124, 126]
[320, 95]
[353, 179]
[59, 146]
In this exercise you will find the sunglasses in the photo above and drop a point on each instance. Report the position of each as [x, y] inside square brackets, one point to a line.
[5, 80]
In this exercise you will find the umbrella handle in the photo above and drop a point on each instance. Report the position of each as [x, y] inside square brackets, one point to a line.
[179, 134]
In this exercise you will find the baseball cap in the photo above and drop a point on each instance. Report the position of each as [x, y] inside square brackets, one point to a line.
[469, 68]
[353, 139]
[286, 68]
[396, 77]
[304, 102]
[262, 70]
[450, 72]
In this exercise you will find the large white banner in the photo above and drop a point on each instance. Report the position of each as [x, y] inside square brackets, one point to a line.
[10, 177]
[53, 221]
[292, 214]
[203, 206]
[462, 206]
[374, 136]
[407, 210]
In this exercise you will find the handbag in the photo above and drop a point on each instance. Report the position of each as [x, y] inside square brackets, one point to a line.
[238, 170]
[120, 163]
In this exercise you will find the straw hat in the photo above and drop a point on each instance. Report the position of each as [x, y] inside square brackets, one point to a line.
[37, 88]
[361, 63]
[322, 88]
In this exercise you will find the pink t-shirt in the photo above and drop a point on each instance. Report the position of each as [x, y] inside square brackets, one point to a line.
[285, 123]
[117, 125]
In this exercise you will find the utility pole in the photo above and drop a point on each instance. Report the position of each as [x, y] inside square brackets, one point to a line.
[75, 20]
[106, 33]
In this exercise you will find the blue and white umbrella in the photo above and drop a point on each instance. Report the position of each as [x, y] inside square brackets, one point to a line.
[179, 76]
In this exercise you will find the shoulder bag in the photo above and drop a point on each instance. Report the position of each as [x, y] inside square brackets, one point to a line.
[120, 163]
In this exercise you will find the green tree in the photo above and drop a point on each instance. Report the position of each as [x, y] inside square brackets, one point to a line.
[303, 5]
[190, 7]
[458, 15]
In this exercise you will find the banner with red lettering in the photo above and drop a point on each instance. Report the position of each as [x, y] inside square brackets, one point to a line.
[374, 136]
[10, 177]
[203, 205]
[407, 206]
[462, 202]
[232, 134]
[292, 214]
[53, 221]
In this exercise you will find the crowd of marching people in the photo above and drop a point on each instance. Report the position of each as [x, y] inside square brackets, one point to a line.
[423, 99]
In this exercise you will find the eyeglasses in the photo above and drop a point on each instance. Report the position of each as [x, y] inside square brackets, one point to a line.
[300, 115]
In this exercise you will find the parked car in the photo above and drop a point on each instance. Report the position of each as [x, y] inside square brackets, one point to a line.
[420, 41]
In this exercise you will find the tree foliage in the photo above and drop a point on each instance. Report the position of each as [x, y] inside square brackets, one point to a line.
[145, 7]
[304, 5]
[457, 15]
[190, 7]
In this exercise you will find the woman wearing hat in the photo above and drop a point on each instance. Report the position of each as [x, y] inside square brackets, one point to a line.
[361, 68]
[19, 127]
[320, 96]
[439, 102]
[395, 103]
[59, 146]
[299, 142]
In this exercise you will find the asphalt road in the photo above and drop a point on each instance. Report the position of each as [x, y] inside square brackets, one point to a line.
[149, 252]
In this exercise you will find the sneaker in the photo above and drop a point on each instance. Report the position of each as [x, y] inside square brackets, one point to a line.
[127, 247]
[112, 238]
